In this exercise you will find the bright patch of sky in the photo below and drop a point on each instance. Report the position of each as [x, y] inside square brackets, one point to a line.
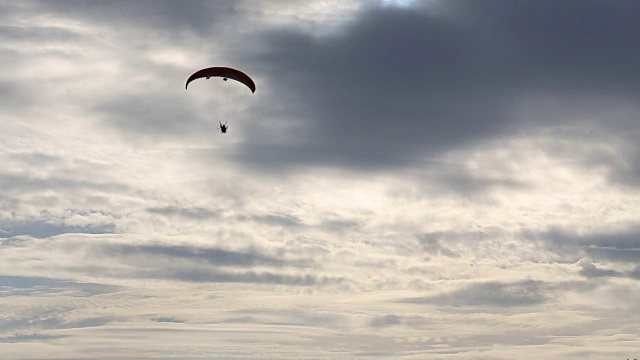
[398, 3]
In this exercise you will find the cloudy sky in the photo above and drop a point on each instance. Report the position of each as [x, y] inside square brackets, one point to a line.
[443, 179]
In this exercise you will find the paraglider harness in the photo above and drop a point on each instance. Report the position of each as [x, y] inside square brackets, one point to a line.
[223, 127]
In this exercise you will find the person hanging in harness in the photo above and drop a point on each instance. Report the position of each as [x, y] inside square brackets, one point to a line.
[223, 127]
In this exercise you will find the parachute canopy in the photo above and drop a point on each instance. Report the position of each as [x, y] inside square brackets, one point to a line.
[225, 73]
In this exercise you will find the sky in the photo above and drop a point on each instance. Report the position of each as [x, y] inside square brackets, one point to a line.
[437, 179]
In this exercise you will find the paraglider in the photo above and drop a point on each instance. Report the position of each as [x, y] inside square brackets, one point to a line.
[225, 73]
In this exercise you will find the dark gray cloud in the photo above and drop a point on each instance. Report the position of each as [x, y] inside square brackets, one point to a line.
[168, 319]
[12, 95]
[592, 271]
[624, 165]
[29, 338]
[49, 228]
[197, 264]
[215, 256]
[619, 246]
[398, 84]
[278, 220]
[257, 277]
[635, 273]
[387, 320]
[523, 293]
[197, 213]
[7, 10]
[30, 285]
[339, 225]
[436, 243]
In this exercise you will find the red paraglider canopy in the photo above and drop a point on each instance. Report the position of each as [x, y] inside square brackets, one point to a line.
[224, 72]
